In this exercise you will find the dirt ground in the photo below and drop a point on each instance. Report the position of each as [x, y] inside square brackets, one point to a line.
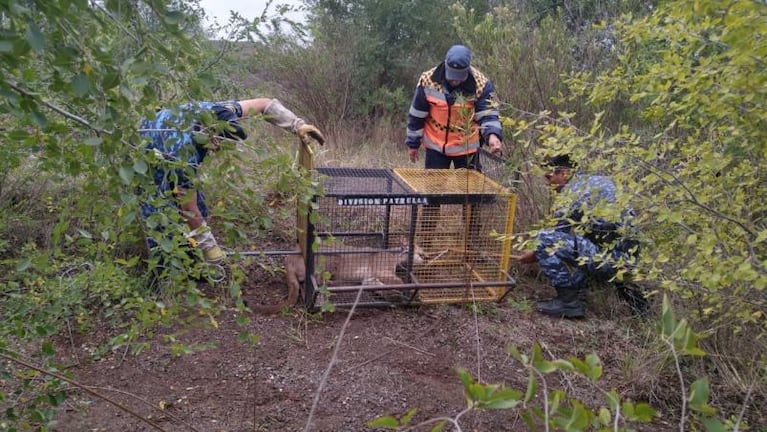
[387, 362]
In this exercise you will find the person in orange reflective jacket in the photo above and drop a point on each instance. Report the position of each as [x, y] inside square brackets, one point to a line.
[454, 109]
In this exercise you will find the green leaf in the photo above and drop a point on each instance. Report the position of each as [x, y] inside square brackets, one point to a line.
[514, 352]
[81, 84]
[126, 174]
[93, 141]
[579, 365]
[235, 291]
[532, 387]
[613, 399]
[503, 399]
[439, 426]
[713, 425]
[23, 265]
[541, 365]
[563, 365]
[476, 392]
[85, 233]
[57, 398]
[605, 416]
[128, 218]
[34, 37]
[173, 17]
[465, 377]
[408, 416]
[667, 321]
[699, 395]
[39, 118]
[110, 80]
[579, 418]
[6, 46]
[47, 349]
[248, 338]
[595, 367]
[644, 412]
[167, 245]
[385, 422]
[140, 166]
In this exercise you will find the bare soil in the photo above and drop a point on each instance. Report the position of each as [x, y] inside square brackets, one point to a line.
[387, 362]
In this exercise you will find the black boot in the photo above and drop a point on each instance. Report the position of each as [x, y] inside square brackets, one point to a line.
[567, 304]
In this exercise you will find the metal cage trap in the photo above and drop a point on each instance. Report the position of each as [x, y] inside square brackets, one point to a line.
[385, 237]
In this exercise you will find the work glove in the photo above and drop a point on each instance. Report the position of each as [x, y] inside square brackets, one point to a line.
[276, 114]
[312, 132]
[203, 238]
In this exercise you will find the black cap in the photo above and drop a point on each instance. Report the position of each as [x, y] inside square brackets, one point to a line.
[559, 161]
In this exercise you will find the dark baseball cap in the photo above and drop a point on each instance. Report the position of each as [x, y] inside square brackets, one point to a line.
[558, 161]
[457, 63]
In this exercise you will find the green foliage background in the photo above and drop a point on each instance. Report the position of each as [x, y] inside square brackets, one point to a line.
[668, 97]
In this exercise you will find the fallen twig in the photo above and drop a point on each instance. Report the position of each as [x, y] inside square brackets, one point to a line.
[410, 346]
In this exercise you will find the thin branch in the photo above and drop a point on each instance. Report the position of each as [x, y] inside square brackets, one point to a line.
[148, 403]
[116, 22]
[452, 421]
[409, 346]
[683, 415]
[366, 362]
[81, 387]
[13, 85]
[333, 359]
[742, 412]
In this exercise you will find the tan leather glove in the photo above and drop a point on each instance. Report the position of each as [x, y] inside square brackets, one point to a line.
[310, 131]
[278, 115]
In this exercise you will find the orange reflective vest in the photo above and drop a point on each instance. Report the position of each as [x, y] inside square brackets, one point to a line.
[451, 127]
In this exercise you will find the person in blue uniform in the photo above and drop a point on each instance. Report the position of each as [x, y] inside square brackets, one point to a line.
[581, 245]
[183, 137]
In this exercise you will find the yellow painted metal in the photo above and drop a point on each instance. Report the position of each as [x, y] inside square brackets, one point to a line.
[511, 214]
[447, 181]
[468, 243]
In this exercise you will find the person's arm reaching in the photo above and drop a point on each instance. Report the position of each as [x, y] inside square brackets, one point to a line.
[419, 111]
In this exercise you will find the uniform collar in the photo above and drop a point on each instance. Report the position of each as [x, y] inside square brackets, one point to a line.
[468, 87]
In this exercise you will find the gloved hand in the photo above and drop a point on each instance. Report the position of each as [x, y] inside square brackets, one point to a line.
[310, 131]
[203, 238]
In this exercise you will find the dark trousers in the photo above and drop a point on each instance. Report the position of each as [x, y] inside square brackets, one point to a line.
[437, 160]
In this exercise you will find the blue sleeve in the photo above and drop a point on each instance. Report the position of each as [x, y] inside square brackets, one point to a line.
[416, 118]
[487, 114]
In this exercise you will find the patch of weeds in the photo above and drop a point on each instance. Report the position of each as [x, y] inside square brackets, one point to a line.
[523, 305]
[298, 330]
[482, 309]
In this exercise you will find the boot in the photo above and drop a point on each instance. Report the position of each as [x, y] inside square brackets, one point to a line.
[567, 304]
[203, 238]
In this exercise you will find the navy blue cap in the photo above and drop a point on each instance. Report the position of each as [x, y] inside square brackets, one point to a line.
[457, 63]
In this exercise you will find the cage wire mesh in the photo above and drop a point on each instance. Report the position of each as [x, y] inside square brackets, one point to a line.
[499, 170]
[407, 236]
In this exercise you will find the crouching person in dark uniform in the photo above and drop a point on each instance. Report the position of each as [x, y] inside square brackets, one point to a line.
[591, 240]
